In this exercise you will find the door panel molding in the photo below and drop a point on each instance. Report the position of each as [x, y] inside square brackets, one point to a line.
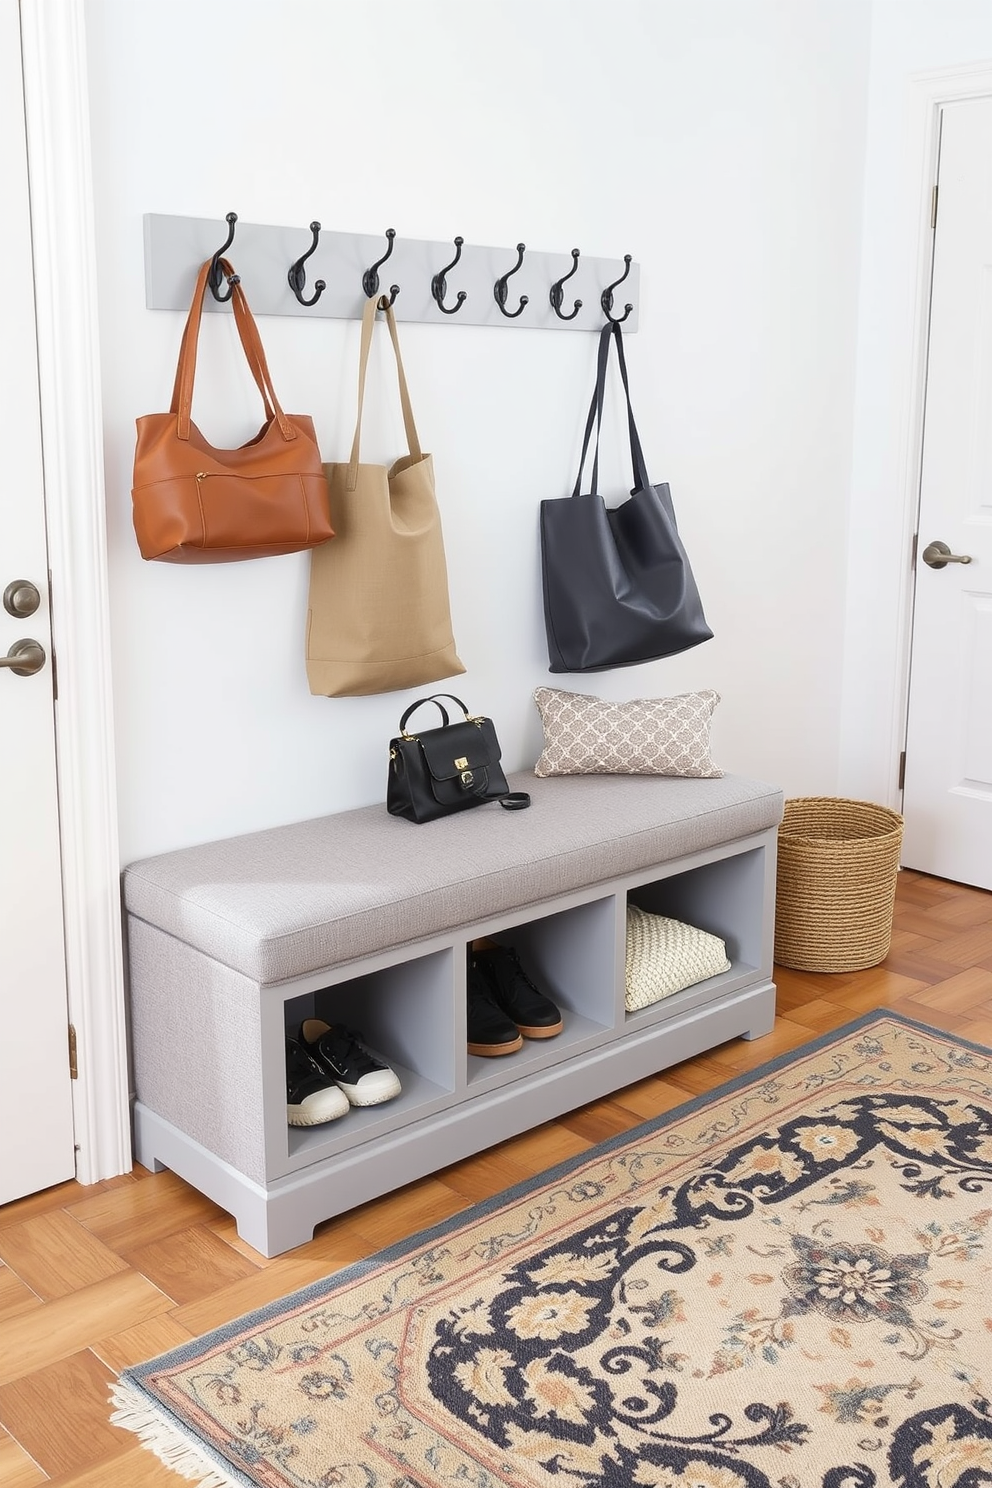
[63, 238]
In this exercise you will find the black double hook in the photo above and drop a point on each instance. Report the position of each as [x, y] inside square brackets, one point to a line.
[556, 294]
[606, 298]
[370, 279]
[298, 274]
[500, 287]
[439, 284]
[215, 278]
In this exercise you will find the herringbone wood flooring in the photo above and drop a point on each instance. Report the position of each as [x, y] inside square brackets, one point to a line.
[93, 1279]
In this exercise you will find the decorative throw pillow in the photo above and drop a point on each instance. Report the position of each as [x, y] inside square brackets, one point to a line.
[666, 956]
[650, 736]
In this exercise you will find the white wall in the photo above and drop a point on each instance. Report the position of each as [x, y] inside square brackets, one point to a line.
[912, 40]
[720, 142]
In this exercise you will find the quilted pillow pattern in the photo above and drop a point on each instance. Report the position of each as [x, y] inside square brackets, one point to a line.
[585, 735]
[666, 956]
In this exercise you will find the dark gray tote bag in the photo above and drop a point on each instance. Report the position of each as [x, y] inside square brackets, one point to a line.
[618, 588]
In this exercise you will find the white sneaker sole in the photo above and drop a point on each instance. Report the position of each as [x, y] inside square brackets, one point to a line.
[365, 1093]
[322, 1106]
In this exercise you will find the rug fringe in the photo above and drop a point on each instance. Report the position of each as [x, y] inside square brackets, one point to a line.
[159, 1434]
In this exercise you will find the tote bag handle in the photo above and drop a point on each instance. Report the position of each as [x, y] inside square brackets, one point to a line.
[251, 344]
[372, 306]
[610, 331]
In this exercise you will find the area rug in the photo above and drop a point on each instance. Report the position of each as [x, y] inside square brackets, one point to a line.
[787, 1282]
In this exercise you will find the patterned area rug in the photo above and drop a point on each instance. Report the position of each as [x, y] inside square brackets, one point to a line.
[786, 1283]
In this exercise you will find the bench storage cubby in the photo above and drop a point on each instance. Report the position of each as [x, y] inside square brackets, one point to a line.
[366, 920]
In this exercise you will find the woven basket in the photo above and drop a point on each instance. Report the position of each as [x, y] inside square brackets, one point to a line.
[836, 887]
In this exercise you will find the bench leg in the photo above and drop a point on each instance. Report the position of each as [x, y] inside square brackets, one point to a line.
[763, 1020]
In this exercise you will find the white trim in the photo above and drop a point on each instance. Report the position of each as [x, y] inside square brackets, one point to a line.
[930, 91]
[59, 168]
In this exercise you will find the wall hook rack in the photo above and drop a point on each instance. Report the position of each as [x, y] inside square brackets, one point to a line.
[500, 290]
[606, 298]
[370, 279]
[346, 263]
[556, 294]
[298, 274]
[439, 284]
[216, 276]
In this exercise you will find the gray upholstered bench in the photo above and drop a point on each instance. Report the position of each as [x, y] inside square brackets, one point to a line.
[365, 919]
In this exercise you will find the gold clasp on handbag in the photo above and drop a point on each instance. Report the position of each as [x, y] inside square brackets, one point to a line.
[466, 777]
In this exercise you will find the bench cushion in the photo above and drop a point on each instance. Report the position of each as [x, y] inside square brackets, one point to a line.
[292, 899]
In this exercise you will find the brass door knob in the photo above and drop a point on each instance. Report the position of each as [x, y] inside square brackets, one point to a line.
[24, 658]
[939, 555]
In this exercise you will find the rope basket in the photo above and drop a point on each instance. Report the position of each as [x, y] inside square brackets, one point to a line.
[836, 886]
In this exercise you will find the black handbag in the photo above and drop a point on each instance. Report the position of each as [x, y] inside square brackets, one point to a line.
[618, 588]
[447, 769]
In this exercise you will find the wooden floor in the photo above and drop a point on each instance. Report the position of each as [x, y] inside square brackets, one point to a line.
[93, 1279]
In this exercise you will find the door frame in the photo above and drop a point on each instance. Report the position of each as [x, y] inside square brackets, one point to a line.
[929, 92]
[53, 53]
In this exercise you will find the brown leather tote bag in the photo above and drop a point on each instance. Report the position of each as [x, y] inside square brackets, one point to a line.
[379, 618]
[197, 504]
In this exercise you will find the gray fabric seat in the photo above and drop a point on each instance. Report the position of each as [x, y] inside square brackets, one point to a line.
[289, 900]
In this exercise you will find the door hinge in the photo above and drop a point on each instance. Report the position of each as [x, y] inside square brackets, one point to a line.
[902, 770]
[933, 208]
[73, 1064]
[916, 544]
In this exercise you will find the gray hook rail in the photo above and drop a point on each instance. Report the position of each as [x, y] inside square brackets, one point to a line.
[264, 257]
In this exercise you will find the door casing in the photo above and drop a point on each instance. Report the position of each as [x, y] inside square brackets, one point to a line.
[63, 241]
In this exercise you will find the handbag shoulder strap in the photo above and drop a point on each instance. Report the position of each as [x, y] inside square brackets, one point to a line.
[595, 414]
[641, 479]
[372, 306]
[611, 331]
[182, 391]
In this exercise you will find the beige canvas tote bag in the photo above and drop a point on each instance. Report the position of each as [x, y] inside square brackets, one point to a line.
[379, 616]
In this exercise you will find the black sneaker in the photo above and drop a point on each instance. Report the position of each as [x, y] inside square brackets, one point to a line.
[311, 1096]
[535, 1015]
[490, 1031]
[340, 1054]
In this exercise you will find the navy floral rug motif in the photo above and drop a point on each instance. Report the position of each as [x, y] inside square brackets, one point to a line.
[785, 1284]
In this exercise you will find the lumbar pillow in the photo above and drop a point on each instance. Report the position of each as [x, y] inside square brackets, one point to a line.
[666, 956]
[649, 736]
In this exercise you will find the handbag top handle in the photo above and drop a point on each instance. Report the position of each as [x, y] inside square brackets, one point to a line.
[611, 331]
[182, 391]
[372, 306]
[434, 698]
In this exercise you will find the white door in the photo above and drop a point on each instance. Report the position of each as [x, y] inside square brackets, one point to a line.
[947, 801]
[36, 1136]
